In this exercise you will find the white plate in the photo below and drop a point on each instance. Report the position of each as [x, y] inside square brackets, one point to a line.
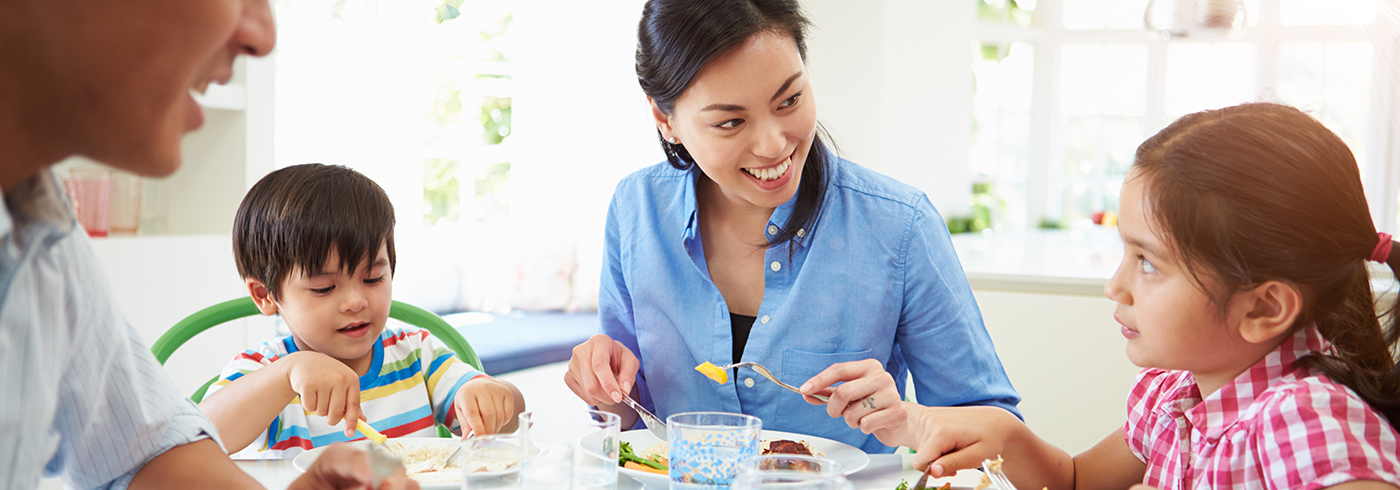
[303, 461]
[851, 458]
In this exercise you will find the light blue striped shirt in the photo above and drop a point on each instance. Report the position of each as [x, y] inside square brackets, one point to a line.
[81, 396]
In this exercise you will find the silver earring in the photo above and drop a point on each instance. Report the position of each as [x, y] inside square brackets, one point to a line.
[672, 140]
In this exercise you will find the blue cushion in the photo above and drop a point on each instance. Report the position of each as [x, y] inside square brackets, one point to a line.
[520, 340]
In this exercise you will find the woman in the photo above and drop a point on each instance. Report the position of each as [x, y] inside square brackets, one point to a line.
[753, 242]
[83, 397]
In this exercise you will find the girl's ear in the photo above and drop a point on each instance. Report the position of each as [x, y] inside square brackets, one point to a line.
[1272, 308]
[261, 297]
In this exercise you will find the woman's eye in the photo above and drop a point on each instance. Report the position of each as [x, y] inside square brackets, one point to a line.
[730, 124]
[791, 101]
[1147, 265]
[374, 280]
[323, 290]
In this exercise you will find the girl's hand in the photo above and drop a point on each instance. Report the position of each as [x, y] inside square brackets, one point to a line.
[868, 399]
[484, 405]
[327, 387]
[957, 438]
[601, 371]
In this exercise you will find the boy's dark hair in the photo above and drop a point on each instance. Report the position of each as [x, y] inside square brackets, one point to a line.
[294, 216]
[1260, 192]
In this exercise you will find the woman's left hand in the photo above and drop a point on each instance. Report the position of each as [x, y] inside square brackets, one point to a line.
[868, 399]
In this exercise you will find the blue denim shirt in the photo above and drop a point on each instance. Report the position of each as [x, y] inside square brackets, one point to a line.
[876, 278]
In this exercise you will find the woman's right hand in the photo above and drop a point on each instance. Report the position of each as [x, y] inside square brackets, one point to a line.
[601, 371]
[327, 387]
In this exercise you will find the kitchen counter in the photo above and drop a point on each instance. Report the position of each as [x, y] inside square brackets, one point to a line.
[1077, 261]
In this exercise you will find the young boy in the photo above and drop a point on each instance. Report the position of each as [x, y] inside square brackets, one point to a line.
[315, 243]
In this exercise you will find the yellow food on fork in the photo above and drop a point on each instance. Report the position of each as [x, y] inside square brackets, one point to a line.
[369, 432]
[713, 372]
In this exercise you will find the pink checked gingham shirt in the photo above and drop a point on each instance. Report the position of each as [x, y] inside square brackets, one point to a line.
[1274, 426]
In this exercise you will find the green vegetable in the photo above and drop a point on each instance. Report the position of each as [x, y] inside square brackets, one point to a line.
[903, 485]
[626, 455]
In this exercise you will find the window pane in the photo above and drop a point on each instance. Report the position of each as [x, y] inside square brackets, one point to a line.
[1104, 14]
[1208, 76]
[1327, 12]
[999, 152]
[1106, 79]
[1332, 82]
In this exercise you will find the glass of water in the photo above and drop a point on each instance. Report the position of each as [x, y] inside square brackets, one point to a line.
[491, 462]
[706, 447]
[569, 450]
[790, 472]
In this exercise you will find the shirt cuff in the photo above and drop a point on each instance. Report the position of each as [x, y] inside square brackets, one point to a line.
[186, 426]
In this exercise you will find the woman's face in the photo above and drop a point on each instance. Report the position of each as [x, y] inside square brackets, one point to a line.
[115, 77]
[748, 120]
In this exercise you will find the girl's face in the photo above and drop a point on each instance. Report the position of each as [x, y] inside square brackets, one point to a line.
[336, 313]
[748, 119]
[1168, 321]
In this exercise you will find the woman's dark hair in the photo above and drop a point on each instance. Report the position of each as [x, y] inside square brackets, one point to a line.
[676, 38]
[1260, 192]
[294, 216]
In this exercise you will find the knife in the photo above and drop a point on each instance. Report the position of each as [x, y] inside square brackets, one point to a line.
[657, 427]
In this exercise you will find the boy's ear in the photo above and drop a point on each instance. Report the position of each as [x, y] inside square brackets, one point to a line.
[663, 121]
[1275, 306]
[261, 297]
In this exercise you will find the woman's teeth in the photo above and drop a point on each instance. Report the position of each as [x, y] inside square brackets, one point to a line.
[771, 172]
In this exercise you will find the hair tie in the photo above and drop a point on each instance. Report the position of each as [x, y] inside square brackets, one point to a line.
[1382, 251]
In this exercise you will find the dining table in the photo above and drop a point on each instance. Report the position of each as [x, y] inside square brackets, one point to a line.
[884, 472]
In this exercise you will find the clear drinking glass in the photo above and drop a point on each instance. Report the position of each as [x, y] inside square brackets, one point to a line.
[790, 472]
[492, 462]
[569, 450]
[91, 191]
[706, 447]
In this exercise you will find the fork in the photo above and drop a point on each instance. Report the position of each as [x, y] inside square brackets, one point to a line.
[764, 371]
[993, 471]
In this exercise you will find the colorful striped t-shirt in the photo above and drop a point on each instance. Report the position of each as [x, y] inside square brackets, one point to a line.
[410, 386]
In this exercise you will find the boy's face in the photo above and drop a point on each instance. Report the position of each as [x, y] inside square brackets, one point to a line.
[337, 314]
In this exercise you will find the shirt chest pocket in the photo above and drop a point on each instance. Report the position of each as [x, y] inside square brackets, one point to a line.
[794, 413]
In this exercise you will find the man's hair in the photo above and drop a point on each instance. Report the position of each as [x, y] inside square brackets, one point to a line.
[294, 216]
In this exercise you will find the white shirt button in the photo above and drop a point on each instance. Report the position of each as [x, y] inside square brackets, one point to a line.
[764, 320]
[748, 382]
[772, 229]
[801, 232]
[776, 266]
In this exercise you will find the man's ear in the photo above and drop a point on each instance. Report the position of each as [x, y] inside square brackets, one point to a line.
[1272, 307]
[260, 295]
[663, 121]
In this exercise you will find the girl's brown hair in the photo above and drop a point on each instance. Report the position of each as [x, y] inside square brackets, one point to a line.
[1261, 192]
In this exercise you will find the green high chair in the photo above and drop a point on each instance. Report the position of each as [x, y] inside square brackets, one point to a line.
[244, 307]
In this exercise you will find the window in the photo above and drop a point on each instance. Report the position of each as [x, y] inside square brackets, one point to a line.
[1097, 83]
[416, 94]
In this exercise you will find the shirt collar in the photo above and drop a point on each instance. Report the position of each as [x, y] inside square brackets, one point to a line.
[780, 216]
[38, 199]
[1222, 409]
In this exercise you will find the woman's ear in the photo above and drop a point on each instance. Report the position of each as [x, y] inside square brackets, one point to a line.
[1272, 307]
[260, 296]
[663, 122]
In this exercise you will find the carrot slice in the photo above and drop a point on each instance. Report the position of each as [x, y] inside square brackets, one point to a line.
[713, 372]
[633, 465]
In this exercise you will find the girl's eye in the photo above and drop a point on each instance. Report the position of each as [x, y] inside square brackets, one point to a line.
[1147, 265]
[323, 290]
[374, 280]
[791, 101]
[730, 124]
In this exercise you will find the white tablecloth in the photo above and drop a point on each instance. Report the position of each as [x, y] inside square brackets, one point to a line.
[884, 473]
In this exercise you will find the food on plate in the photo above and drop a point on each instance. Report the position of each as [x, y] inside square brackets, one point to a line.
[428, 464]
[904, 485]
[713, 372]
[785, 446]
[653, 459]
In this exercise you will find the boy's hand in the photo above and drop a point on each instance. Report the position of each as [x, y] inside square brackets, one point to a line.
[484, 405]
[327, 387]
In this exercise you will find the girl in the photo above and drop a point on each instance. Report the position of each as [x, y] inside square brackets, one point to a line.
[1243, 291]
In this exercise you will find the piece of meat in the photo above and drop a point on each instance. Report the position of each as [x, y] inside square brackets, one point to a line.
[784, 446]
